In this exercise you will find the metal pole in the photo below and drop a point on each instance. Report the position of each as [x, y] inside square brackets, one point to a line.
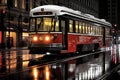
[8, 43]
[19, 30]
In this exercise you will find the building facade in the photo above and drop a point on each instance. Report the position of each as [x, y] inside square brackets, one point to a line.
[110, 10]
[16, 20]
[114, 18]
[113, 11]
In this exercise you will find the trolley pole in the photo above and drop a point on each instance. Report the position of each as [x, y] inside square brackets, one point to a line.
[19, 30]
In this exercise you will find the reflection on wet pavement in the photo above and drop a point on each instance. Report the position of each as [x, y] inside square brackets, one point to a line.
[11, 61]
[92, 69]
[16, 64]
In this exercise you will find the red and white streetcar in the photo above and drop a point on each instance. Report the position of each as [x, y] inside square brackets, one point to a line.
[63, 30]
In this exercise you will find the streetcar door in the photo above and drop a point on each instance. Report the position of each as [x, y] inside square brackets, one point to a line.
[64, 34]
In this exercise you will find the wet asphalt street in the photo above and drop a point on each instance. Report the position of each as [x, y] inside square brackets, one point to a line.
[18, 64]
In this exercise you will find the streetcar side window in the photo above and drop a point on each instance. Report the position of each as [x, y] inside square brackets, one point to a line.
[86, 28]
[57, 25]
[63, 26]
[98, 30]
[89, 29]
[70, 25]
[80, 27]
[107, 30]
[83, 28]
[101, 31]
[93, 30]
[76, 27]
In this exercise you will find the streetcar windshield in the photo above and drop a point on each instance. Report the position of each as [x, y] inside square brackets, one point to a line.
[44, 24]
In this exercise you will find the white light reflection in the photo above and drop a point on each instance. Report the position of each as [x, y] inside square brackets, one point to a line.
[114, 54]
[93, 72]
[107, 66]
[118, 48]
[48, 53]
[119, 52]
[108, 48]
[72, 67]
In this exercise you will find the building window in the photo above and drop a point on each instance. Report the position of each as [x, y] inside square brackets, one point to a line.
[23, 4]
[31, 4]
[16, 3]
[3, 1]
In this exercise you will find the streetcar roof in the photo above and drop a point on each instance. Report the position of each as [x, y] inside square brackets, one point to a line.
[62, 10]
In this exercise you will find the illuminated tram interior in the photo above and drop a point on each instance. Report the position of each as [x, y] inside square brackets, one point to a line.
[53, 29]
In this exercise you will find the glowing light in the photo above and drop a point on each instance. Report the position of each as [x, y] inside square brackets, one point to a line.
[35, 73]
[35, 38]
[41, 38]
[47, 38]
[3, 11]
[47, 73]
[48, 53]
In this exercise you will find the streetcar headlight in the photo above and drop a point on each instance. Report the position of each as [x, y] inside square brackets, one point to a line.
[47, 38]
[35, 38]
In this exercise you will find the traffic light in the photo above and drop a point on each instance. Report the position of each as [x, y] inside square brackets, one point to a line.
[3, 13]
[115, 25]
[2, 17]
[113, 30]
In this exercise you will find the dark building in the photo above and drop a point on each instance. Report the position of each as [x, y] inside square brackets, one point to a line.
[17, 14]
[110, 10]
[103, 9]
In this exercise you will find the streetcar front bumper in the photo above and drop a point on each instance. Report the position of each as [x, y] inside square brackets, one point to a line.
[42, 49]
